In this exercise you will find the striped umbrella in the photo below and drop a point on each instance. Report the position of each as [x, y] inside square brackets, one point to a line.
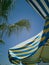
[29, 47]
[42, 7]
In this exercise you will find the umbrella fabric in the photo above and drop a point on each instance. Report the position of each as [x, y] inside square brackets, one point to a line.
[45, 35]
[45, 54]
[41, 6]
[24, 49]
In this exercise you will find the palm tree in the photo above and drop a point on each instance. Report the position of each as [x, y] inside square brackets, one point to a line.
[5, 7]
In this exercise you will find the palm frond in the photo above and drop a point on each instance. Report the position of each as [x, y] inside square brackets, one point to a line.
[9, 29]
[23, 23]
[5, 5]
[19, 26]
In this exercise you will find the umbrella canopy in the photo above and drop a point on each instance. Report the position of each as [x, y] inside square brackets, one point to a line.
[41, 6]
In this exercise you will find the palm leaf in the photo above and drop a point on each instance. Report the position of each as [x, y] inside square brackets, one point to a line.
[23, 23]
[9, 29]
[5, 5]
[19, 26]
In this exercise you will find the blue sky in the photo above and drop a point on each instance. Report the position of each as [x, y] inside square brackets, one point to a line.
[21, 10]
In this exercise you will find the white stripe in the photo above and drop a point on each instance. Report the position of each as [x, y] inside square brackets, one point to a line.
[26, 55]
[31, 51]
[34, 8]
[34, 45]
[27, 48]
[11, 53]
[36, 42]
[44, 4]
[14, 55]
[35, 2]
